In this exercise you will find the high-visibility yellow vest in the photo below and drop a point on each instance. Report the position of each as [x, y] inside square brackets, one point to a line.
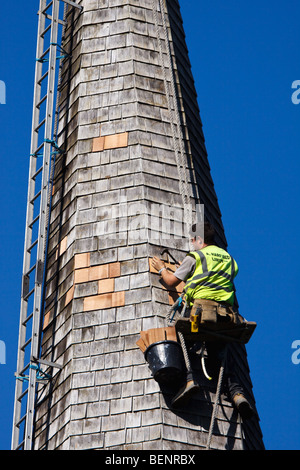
[213, 276]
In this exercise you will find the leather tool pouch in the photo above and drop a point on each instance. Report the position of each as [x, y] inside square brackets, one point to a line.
[205, 313]
[209, 314]
[215, 313]
[228, 315]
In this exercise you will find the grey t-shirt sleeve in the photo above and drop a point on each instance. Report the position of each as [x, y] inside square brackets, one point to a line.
[186, 268]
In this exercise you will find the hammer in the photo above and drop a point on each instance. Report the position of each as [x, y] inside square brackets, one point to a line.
[167, 251]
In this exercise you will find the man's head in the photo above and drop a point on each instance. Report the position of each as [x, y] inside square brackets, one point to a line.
[202, 234]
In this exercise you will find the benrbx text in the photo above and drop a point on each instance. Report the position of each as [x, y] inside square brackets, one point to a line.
[156, 459]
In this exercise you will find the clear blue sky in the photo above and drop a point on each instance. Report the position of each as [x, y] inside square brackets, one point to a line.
[245, 57]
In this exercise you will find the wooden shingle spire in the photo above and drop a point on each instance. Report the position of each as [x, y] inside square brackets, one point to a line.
[134, 171]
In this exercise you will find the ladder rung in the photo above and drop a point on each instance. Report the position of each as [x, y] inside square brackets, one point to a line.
[26, 297]
[20, 445]
[20, 421]
[36, 196]
[47, 7]
[42, 78]
[40, 59]
[23, 370]
[38, 149]
[25, 346]
[27, 319]
[32, 245]
[46, 30]
[40, 125]
[37, 172]
[22, 395]
[30, 270]
[31, 225]
[41, 101]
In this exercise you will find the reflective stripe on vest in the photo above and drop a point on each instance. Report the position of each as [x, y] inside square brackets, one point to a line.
[194, 281]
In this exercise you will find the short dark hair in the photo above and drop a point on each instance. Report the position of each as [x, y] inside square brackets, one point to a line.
[204, 230]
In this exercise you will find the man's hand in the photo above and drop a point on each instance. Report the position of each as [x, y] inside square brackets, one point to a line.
[157, 263]
[168, 278]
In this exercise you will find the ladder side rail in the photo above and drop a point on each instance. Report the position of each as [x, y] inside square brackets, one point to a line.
[42, 223]
[28, 231]
[52, 163]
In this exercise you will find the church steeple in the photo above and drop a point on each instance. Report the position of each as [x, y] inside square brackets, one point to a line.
[133, 173]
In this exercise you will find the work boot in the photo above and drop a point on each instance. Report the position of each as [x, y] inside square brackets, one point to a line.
[185, 393]
[243, 406]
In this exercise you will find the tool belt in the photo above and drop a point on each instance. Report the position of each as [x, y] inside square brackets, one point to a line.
[209, 311]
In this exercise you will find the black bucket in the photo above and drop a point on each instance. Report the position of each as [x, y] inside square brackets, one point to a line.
[166, 361]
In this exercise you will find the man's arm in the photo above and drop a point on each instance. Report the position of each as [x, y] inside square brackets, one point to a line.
[182, 273]
[169, 279]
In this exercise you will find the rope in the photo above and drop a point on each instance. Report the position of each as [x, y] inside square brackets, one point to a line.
[216, 404]
[174, 115]
[185, 352]
[241, 428]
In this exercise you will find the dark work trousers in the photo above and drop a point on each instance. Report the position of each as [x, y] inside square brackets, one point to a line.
[215, 352]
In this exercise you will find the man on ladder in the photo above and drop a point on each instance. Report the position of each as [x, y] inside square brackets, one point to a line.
[208, 272]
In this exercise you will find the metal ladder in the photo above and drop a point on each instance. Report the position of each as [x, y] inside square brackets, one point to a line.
[42, 156]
